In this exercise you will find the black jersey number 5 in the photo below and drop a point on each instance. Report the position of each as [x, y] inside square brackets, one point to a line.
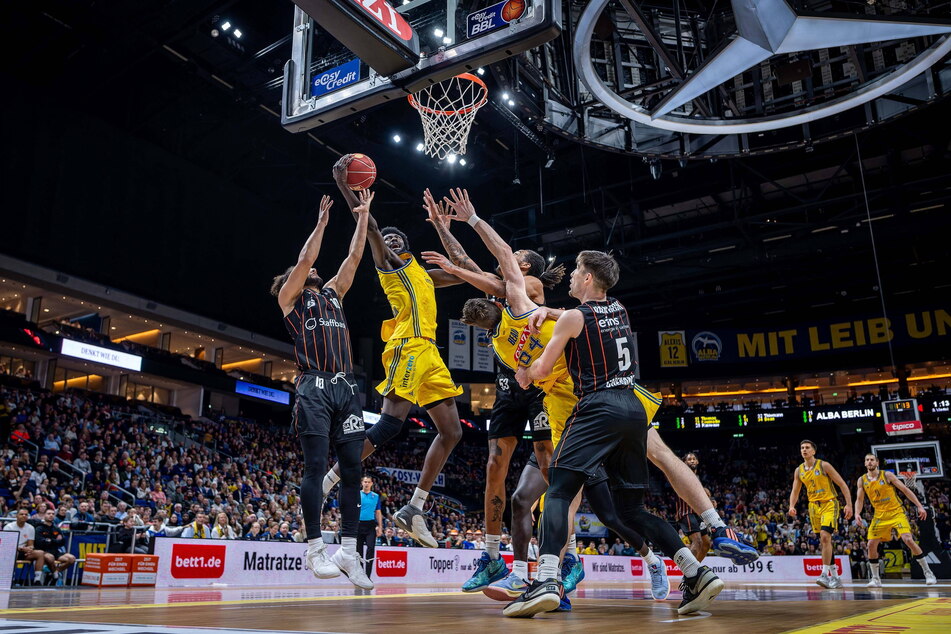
[623, 354]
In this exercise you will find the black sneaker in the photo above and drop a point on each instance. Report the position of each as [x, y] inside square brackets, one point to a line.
[699, 590]
[541, 596]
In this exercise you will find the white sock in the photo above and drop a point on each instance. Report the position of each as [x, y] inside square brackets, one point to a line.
[547, 567]
[492, 545]
[650, 558]
[712, 518]
[419, 499]
[873, 568]
[687, 562]
[349, 544]
[520, 568]
[330, 481]
[315, 543]
[923, 562]
[572, 546]
[830, 570]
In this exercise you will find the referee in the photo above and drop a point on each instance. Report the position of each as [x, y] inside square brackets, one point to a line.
[371, 521]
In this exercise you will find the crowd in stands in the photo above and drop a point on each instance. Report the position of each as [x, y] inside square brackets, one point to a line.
[99, 463]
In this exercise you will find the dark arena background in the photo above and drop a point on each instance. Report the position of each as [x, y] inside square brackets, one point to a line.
[772, 178]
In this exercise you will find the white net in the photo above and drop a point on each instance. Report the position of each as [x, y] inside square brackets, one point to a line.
[447, 110]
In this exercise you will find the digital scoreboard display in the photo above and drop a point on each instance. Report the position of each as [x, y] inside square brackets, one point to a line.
[902, 417]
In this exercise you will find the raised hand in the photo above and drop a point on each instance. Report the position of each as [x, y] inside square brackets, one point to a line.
[537, 319]
[326, 202]
[438, 259]
[439, 215]
[462, 207]
[366, 199]
[340, 167]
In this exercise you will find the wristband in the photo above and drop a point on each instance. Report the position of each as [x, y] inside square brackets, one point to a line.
[473, 220]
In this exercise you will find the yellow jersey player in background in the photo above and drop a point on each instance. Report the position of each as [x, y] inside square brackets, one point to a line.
[880, 487]
[415, 371]
[818, 476]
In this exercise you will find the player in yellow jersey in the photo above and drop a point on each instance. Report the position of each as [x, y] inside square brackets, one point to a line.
[415, 372]
[818, 476]
[880, 487]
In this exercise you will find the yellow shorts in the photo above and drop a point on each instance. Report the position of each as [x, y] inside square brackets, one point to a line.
[416, 372]
[883, 523]
[559, 404]
[825, 513]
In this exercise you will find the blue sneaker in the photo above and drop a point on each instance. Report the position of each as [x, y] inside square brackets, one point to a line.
[660, 584]
[487, 571]
[572, 572]
[564, 606]
[726, 543]
[509, 587]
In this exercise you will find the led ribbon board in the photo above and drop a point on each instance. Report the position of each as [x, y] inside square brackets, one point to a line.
[264, 393]
[97, 354]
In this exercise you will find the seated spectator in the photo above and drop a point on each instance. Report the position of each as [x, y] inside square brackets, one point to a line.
[590, 549]
[158, 496]
[254, 534]
[222, 528]
[127, 540]
[388, 538]
[50, 539]
[197, 529]
[25, 543]
[628, 550]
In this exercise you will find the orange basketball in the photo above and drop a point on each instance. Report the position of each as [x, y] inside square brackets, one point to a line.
[361, 172]
[513, 10]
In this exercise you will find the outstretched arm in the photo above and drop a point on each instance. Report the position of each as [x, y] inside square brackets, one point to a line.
[383, 256]
[341, 282]
[568, 326]
[440, 221]
[294, 285]
[514, 280]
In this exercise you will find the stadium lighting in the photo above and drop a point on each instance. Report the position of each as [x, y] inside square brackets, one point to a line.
[481, 71]
[438, 32]
[397, 138]
[237, 34]
[462, 161]
[225, 25]
[511, 104]
[447, 40]
[451, 158]
[420, 147]
[505, 96]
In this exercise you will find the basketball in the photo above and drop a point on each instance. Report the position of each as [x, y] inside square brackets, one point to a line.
[513, 10]
[361, 172]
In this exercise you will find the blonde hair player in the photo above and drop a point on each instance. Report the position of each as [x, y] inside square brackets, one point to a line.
[818, 476]
[880, 487]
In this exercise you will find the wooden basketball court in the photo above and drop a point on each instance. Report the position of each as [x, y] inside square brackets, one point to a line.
[747, 608]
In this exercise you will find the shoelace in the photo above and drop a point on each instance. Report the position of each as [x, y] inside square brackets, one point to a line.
[343, 375]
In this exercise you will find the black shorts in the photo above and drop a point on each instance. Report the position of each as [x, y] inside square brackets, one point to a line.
[691, 523]
[609, 428]
[327, 405]
[514, 407]
[600, 475]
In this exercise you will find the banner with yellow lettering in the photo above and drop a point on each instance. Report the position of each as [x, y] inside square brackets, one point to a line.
[711, 347]
[673, 348]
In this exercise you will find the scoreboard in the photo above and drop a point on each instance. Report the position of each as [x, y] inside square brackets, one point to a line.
[902, 417]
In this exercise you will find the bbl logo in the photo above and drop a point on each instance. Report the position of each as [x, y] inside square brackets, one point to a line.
[706, 346]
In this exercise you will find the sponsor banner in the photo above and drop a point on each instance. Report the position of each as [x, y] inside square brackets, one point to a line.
[335, 78]
[106, 356]
[483, 357]
[495, 17]
[816, 339]
[673, 348]
[207, 562]
[899, 429]
[459, 336]
[261, 392]
[410, 476]
[588, 525]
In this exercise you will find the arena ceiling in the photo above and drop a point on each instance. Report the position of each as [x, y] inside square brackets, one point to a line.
[148, 154]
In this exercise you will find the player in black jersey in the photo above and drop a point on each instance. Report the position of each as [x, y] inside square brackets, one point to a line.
[689, 523]
[326, 407]
[513, 407]
[608, 428]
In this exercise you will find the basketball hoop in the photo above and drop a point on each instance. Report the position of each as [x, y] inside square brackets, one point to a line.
[447, 110]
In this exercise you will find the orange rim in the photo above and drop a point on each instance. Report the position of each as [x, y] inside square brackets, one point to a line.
[466, 110]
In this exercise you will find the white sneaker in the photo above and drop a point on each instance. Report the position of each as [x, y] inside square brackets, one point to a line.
[874, 582]
[835, 582]
[930, 579]
[824, 580]
[317, 561]
[413, 521]
[351, 564]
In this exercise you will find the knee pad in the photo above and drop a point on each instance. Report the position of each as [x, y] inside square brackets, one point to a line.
[386, 428]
